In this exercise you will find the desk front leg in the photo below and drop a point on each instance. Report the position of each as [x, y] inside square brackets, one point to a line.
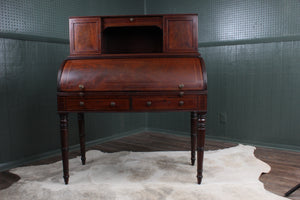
[82, 136]
[64, 145]
[200, 144]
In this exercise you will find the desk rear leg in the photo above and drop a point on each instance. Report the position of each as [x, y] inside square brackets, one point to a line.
[64, 145]
[194, 128]
[81, 136]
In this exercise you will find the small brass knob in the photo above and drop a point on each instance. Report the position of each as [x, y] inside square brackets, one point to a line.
[181, 103]
[149, 103]
[81, 86]
[81, 103]
[112, 104]
[131, 19]
[81, 94]
[181, 85]
[181, 94]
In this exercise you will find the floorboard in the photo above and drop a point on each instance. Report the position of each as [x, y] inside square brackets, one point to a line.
[285, 165]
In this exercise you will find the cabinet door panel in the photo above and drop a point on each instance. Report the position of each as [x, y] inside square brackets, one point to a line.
[180, 33]
[85, 36]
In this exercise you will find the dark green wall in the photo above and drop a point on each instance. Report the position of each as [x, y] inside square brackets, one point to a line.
[251, 49]
[33, 44]
[49, 18]
[252, 54]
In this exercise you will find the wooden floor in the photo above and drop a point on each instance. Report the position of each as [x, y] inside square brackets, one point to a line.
[285, 165]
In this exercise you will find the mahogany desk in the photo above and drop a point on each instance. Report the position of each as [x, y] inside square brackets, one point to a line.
[146, 63]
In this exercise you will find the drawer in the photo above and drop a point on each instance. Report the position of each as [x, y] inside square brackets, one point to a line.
[94, 104]
[164, 103]
[132, 21]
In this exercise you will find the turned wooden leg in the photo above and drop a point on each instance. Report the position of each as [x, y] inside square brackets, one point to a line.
[81, 137]
[200, 144]
[64, 145]
[194, 118]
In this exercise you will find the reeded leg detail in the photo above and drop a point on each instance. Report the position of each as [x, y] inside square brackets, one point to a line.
[81, 136]
[64, 145]
[200, 145]
[194, 118]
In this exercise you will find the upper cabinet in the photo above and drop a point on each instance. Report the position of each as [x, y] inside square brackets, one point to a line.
[144, 34]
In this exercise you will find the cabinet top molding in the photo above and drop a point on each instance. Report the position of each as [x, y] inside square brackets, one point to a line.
[147, 15]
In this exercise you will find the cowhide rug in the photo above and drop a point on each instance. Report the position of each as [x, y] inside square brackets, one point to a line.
[229, 174]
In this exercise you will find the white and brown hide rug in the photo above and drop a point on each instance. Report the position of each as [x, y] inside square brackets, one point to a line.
[229, 174]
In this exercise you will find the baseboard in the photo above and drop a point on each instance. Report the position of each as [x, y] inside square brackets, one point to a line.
[114, 137]
[21, 162]
[224, 139]
[256, 143]
[30, 159]
[164, 131]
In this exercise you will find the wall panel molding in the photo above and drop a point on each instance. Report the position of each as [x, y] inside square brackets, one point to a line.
[19, 36]
[30, 159]
[249, 41]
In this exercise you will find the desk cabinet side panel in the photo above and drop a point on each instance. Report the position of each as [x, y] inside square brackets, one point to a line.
[60, 103]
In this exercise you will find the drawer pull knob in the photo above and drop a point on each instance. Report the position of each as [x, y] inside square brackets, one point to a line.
[181, 103]
[131, 19]
[81, 86]
[181, 94]
[112, 104]
[149, 103]
[81, 94]
[180, 86]
[81, 103]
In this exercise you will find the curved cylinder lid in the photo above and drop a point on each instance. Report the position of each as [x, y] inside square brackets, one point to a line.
[132, 74]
